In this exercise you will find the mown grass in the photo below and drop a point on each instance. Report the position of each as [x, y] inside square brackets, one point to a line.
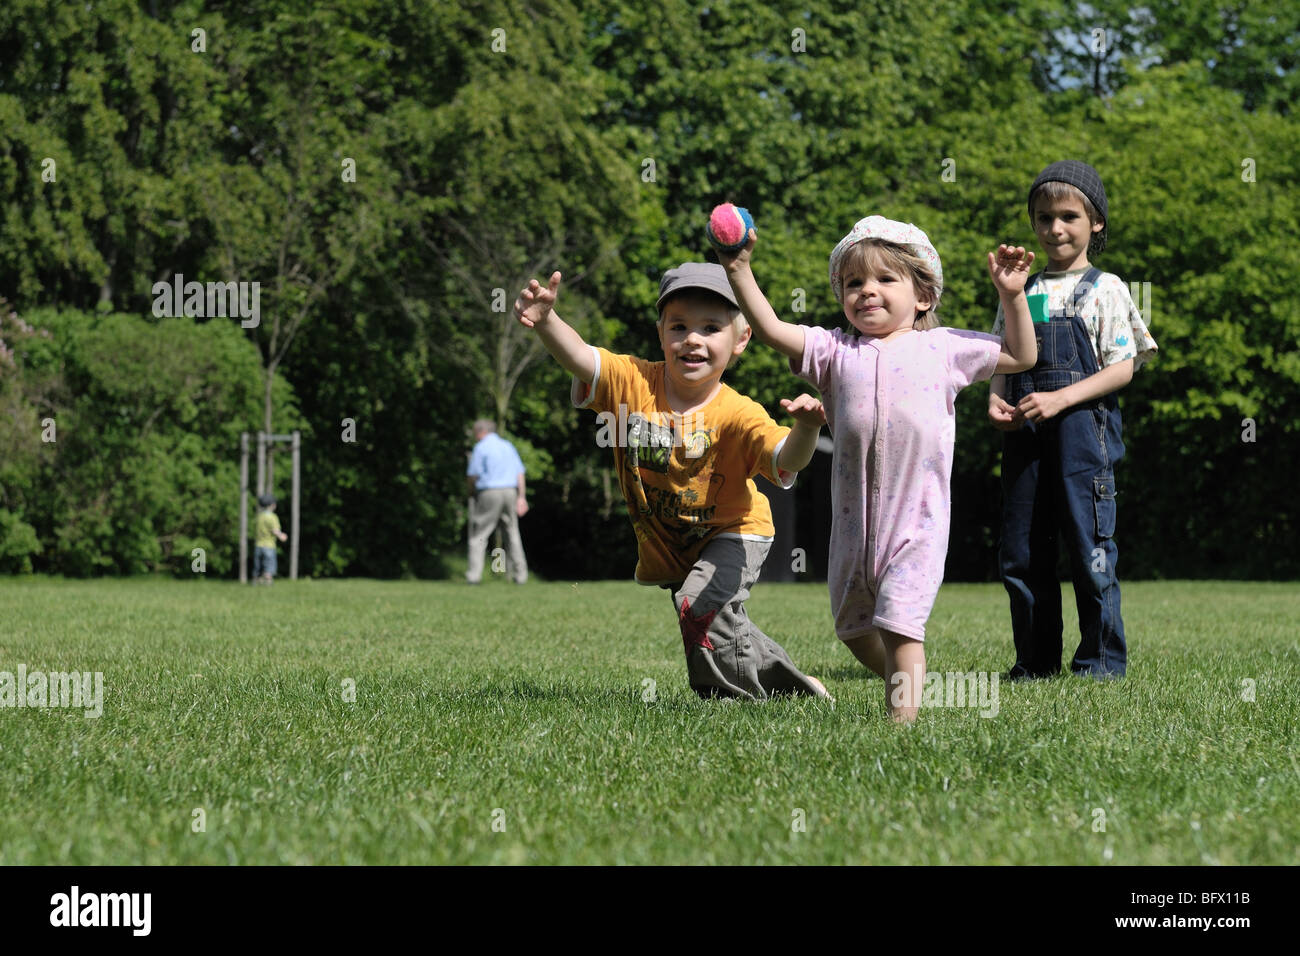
[523, 707]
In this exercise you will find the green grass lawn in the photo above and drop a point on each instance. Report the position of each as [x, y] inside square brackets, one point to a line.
[523, 707]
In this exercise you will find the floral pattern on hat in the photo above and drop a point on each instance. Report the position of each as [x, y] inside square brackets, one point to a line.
[878, 227]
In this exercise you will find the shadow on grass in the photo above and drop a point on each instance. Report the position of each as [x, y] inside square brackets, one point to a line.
[847, 672]
[532, 691]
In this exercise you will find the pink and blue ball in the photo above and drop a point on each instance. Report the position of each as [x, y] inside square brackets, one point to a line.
[728, 228]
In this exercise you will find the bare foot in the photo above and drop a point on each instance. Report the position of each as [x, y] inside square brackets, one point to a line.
[903, 715]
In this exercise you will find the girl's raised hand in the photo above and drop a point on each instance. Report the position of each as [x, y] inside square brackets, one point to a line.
[806, 410]
[1004, 416]
[733, 260]
[1009, 269]
[535, 302]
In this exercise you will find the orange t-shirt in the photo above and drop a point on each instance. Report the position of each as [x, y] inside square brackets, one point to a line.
[686, 478]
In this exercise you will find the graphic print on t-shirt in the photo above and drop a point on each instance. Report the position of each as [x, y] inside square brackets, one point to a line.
[681, 513]
[649, 445]
[680, 510]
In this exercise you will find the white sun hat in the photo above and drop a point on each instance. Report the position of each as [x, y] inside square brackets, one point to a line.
[878, 227]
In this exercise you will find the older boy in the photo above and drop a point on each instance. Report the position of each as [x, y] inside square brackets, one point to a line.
[1062, 435]
[686, 449]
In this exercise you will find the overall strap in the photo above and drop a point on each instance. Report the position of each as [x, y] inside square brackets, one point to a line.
[1087, 282]
[1087, 355]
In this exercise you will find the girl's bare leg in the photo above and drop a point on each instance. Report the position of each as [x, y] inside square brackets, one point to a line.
[870, 650]
[905, 662]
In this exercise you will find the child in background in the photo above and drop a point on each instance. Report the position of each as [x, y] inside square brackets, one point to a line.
[686, 449]
[265, 531]
[889, 384]
[1062, 435]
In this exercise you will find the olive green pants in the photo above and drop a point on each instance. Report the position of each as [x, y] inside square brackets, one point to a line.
[726, 654]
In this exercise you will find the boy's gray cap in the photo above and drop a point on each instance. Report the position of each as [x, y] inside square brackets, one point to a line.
[696, 275]
[266, 500]
[1085, 179]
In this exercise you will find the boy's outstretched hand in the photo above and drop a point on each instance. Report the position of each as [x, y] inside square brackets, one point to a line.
[1009, 269]
[533, 307]
[806, 410]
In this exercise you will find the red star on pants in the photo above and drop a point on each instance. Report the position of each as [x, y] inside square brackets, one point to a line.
[695, 630]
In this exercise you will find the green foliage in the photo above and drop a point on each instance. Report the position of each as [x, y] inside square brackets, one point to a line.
[18, 542]
[144, 462]
[495, 142]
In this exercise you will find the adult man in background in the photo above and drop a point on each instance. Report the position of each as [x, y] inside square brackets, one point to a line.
[496, 485]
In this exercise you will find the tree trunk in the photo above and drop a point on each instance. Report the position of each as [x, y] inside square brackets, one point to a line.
[266, 426]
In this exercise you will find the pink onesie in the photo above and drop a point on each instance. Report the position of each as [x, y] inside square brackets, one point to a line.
[891, 414]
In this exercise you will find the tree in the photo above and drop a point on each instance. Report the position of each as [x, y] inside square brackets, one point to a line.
[146, 416]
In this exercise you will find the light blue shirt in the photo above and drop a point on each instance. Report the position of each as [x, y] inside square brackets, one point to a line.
[495, 463]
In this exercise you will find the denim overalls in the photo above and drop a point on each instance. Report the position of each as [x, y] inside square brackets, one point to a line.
[1058, 477]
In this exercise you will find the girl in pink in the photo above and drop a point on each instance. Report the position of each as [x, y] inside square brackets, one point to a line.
[888, 386]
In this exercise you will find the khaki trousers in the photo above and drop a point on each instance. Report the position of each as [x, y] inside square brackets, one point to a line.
[488, 508]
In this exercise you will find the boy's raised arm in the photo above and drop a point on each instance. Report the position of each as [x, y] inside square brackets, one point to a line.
[535, 309]
[785, 337]
[809, 417]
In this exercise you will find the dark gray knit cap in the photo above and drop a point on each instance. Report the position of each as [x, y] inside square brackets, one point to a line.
[1085, 179]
